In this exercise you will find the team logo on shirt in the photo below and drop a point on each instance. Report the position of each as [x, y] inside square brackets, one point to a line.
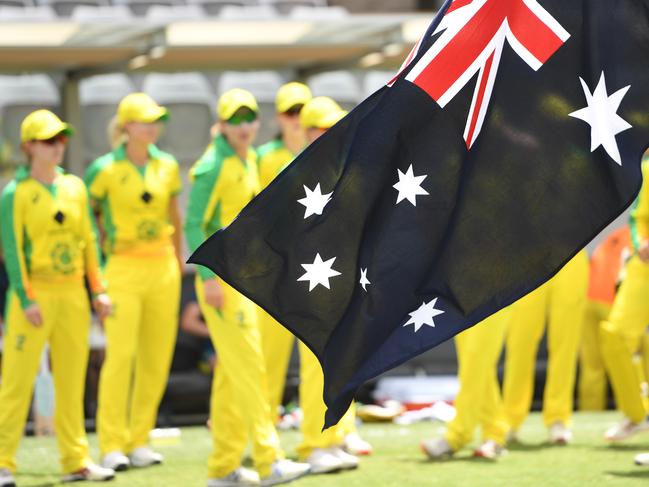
[62, 256]
[148, 230]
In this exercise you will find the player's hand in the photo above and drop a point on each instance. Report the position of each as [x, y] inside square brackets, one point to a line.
[33, 315]
[643, 251]
[102, 305]
[213, 293]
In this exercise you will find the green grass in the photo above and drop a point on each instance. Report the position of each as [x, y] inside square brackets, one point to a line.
[397, 460]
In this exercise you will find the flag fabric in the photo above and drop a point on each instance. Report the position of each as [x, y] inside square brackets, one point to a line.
[510, 138]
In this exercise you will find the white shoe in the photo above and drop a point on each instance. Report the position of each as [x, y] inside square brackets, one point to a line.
[6, 478]
[625, 429]
[560, 434]
[489, 450]
[437, 448]
[322, 461]
[284, 471]
[357, 446]
[92, 473]
[641, 459]
[145, 457]
[349, 462]
[240, 477]
[116, 461]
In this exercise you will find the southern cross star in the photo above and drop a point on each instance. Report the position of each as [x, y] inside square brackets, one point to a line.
[319, 272]
[601, 115]
[424, 315]
[409, 186]
[364, 280]
[314, 201]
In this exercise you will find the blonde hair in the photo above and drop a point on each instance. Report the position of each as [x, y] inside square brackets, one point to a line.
[116, 133]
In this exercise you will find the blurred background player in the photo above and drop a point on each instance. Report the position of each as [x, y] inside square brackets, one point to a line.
[478, 400]
[224, 180]
[561, 302]
[627, 323]
[274, 156]
[49, 245]
[323, 450]
[605, 265]
[135, 190]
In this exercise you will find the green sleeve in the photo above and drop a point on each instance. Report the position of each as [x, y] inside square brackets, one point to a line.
[205, 176]
[12, 240]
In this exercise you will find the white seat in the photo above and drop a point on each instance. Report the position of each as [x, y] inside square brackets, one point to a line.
[19, 96]
[191, 112]
[140, 7]
[262, 84]
[103, 13]
[175, 13]
[64, 8]
[375, 80]
[318, 13]
[287, 6]
[32, 14]
[99, 97]
[256, 12]
[214, 7]
[342, 86]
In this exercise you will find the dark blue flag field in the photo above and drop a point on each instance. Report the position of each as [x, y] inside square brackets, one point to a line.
[510, 138]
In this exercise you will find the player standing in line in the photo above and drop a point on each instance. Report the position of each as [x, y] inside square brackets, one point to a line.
[224, 180]
[274, 156]
[479, 400]
[628, 322]
[49, 245]
[135, 190]
[562, 302]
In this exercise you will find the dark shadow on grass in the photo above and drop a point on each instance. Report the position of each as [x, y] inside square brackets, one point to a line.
[523, 447]
[426, 461]
[638, 473]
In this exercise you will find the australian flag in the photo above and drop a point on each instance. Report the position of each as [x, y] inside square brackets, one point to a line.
[512, 136]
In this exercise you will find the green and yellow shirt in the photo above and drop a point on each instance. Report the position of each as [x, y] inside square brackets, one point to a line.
[222, 184]
[134, 201]
[639, 221]
[48, 233]
[274, 156]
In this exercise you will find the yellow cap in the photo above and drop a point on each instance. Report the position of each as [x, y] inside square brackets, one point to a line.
[43, 125]
[292, 94]
[321, 112]
[234, 99]
[140, 107]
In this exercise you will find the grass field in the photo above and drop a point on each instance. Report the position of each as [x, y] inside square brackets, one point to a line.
[397, 460]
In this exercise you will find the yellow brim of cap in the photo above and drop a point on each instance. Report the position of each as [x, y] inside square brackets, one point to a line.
[154, 114]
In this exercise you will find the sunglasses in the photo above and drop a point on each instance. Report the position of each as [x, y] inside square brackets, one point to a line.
[240, 118]
[62, 139]
[294, 111]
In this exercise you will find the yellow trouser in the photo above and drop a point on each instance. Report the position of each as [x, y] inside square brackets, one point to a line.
[66, 325]
[620, 336]
[479, 400]
[592, 372]
[277, 343]
[239, 408]
[313, 408]
[140, 338]
[562, 300]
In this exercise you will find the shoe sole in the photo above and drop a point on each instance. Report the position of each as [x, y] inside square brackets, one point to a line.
[326, 470]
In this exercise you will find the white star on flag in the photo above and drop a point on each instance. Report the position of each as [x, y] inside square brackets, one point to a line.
[314, 201]
[409, 186]
[424, 315]
[601, 115]
[319, 272]
[364, 280]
